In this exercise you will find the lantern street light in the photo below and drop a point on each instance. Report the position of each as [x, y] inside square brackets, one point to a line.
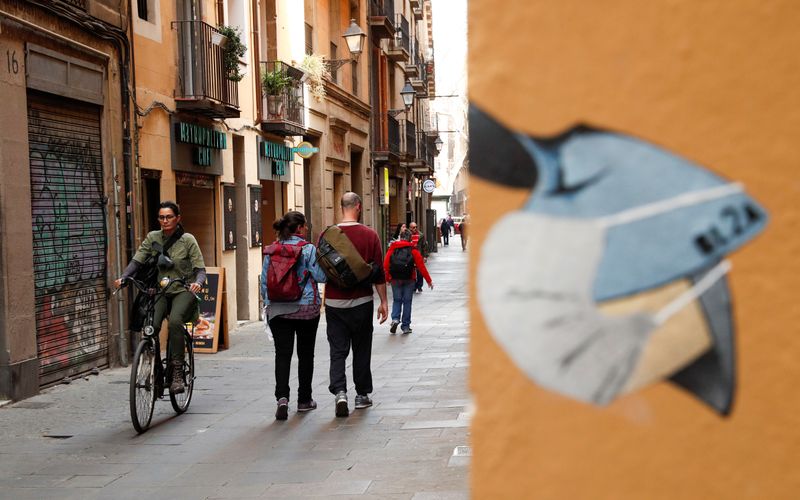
[354, 37]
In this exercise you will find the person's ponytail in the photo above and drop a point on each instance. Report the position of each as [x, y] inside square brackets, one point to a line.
[287, 225]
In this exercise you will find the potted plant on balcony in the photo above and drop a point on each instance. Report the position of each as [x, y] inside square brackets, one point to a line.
[317, 70]
[274, 83]
[232, 51]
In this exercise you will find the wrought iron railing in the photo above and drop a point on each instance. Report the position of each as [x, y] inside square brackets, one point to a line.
[282, 93]
[393, 134]
[402, 38]
[409, 138]
[201, 70]
[382, 8]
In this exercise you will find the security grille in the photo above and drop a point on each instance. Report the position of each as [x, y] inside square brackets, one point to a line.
[69, 237]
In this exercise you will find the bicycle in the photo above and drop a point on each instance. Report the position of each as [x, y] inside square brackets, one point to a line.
[150, 374]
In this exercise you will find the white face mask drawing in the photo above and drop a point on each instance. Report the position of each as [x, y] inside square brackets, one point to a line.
[611, 220]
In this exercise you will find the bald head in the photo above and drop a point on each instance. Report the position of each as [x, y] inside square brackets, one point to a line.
[351, 206]
[350, 200]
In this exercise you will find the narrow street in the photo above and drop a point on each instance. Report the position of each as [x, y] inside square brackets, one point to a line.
[76, 440]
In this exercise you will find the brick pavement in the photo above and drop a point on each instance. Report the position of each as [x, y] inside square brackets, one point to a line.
[76, 441]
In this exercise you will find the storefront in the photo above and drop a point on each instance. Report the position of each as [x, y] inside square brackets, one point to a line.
[197, 162]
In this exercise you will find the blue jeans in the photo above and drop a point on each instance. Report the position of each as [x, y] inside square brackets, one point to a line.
[402, 293]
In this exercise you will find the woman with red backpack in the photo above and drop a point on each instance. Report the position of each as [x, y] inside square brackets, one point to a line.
[401, 264]
[289, 280]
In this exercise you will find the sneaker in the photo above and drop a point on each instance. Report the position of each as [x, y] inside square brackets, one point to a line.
[363, 401]
[407, 331]
[393, 326]
[308, 406]
[283, 409]
[341, 404]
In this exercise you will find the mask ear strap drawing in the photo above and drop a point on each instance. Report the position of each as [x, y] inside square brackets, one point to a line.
[698, 289]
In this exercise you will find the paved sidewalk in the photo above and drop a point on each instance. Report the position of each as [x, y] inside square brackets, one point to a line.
[76, 441]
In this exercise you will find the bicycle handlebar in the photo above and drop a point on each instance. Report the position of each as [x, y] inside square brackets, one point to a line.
[139, 285]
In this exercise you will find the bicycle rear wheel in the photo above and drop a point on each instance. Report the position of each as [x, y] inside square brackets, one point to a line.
[180, 402]
[142, 385]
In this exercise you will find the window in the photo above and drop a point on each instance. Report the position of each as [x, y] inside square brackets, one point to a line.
[309, 39]
[334, 73]
[354, 73]
[142, 8]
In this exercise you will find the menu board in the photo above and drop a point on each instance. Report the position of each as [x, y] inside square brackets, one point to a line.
[210, 333]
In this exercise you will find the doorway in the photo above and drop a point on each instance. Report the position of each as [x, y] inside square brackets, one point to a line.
[199, 218]
[338, 191]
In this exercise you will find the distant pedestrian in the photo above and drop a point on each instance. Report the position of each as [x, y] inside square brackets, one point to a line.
[445, 228]
[349, 312]
[399, 229]
[421, 244]
[462, 228]
[402, 265]
[452, 224]
[292, 307]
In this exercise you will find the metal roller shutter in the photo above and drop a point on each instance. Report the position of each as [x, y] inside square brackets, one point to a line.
[69, 237]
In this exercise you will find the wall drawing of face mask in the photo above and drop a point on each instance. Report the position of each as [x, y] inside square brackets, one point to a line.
[612, 275]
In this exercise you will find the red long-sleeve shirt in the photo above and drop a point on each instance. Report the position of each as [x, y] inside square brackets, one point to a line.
[418, 260]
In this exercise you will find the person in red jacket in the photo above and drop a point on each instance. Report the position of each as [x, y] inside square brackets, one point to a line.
[402, 263]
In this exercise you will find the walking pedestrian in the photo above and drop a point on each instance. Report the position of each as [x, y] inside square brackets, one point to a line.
[289, 280]
[399, 229]
[462, 228]
[452, 224]
[402, 265]
[445, 228]
[349, 312]
[419, 241]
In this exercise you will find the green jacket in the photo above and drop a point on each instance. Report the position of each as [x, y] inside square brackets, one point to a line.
[185, 253]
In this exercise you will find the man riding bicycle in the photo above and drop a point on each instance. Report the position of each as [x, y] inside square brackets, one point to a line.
[178, 256]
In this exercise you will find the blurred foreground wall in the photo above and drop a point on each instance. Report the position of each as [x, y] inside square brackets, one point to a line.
[635, 258]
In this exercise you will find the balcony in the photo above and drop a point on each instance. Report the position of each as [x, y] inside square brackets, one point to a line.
[408, 140]
[412, 68]
[203, 86]
[283, 109]
[400, 44]
[420, 81]
[387, 141]
[381, 18]
[419, 15]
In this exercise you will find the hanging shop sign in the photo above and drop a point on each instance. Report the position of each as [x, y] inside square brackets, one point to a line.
[429, 185]
[383, 196]
[274, 161]
[305, 149]
[197, 148]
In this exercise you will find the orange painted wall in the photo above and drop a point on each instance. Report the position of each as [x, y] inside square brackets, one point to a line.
[717, 82]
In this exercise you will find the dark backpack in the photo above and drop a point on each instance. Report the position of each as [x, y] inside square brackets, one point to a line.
[401, 263]
[282, 282]
[340, 260]
[148, 274]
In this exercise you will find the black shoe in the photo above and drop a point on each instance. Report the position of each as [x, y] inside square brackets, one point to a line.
[310, 405]
[341, 404]
[282, 413]
[393, 326]
[363, 401]
[177, 385]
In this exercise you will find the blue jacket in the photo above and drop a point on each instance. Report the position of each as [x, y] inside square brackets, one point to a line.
[306, 264]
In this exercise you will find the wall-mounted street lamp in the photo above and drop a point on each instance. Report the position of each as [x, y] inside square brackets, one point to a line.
[354, 37]
[408, 93]
[438, 143]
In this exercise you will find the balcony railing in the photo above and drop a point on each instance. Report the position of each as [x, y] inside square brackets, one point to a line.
[201, 72]
[402, 38]
[282, 98]
[381, 18]
[408, 133]
[393, 127]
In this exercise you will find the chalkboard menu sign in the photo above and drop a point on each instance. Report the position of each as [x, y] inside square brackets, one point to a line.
[210, 332]
[229, 216]
[255, 217]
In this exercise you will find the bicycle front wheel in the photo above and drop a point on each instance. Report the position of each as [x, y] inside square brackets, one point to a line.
[180, 402]
[142, 385]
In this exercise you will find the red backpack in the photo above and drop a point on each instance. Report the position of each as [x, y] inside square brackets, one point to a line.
[282, 282]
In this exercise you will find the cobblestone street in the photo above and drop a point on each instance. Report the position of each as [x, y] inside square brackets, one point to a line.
[76, 440]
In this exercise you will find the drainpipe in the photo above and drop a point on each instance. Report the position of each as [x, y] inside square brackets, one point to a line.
[122, 342]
